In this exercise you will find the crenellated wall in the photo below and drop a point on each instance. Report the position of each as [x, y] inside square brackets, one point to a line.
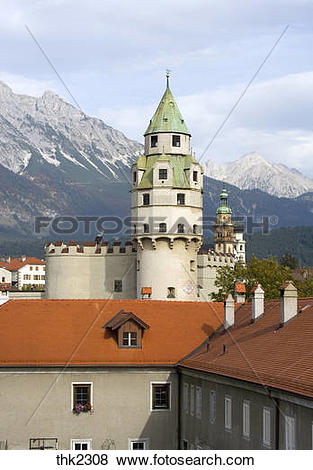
[208, 263]
[90, 270]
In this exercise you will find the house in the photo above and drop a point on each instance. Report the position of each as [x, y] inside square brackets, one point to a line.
[5, 277]
[26, 272]
[96, 374]
[251, 385]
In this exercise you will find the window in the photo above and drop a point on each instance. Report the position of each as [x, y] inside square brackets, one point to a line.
[154, 141]
[118, 285]
[130, 338]
[180, 228]
[192, 265]
[134, 177]
[176, 140]
[146, 228]
[162, 227]
[135, 228]
[181, 199]
[30, 268]
[43, 443]
[266, 427]
[3, 279]
[290, 441]
[198, 402]
[228, 413]
[186, 397]
[146, 199]
[212, 406]
[81, 394]
[138, 444]
[81, 444]
[163, 174]
[36, 268]
[194, 229]
[195, 176]
[192, 400]
[171, 292]
[161, 396]
[138, 265]
[42, 278]
[246, 419]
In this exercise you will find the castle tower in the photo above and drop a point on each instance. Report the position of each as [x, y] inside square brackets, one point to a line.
[239, 243]
[223, 227]
[167, 208]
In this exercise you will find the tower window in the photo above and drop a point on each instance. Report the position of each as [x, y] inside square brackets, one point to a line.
[146, 199]
[192, 265]
[181, 199]
[180, 228]
[171, 292]
[195, 229]
[134, 177]
[176, 140]
[154, 141]
[135, 228]
[195, 176]
[162, 174]
[118, 286]
[146, 228]
[162, 227]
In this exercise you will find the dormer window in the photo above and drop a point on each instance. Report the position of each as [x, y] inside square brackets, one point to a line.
[162, 174]
[128, 329]
[195, 176]
[146, 199]
[154, 141]
[176, 140]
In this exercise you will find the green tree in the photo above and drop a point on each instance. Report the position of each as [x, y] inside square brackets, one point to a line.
[288, 260]
[268, 272]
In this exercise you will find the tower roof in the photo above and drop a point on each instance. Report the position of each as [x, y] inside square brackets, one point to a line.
[224, 207]
[167, 117]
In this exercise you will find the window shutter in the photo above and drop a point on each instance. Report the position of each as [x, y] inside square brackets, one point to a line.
[212, 406]
[266, 427]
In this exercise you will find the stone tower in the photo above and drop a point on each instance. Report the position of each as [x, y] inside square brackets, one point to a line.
[224, 228]
[166, 209]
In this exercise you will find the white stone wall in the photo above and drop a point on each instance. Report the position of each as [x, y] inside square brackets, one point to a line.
[165, 144]
[5, 276]
[90, 275]
[208, 263]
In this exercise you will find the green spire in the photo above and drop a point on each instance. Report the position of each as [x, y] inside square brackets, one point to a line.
[223, 207]
[167, 117]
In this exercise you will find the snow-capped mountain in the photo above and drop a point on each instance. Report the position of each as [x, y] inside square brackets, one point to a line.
[49, 129]
[255, 172]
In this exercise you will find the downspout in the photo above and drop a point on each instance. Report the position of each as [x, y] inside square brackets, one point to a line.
[179, 410]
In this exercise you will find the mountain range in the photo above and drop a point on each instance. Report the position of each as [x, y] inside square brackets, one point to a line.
[56, 160]
[252, 171]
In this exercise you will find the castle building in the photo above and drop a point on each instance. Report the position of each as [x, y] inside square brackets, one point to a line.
[162, 261]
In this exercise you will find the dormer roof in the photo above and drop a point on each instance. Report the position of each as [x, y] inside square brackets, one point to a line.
[122, 317]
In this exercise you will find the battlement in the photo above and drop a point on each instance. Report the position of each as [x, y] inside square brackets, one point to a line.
[211, 258]
[61, 248]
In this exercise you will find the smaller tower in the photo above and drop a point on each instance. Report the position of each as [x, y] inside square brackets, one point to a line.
[239, 243]
[223, 227]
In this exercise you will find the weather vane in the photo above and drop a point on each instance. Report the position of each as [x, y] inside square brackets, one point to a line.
[168, 73]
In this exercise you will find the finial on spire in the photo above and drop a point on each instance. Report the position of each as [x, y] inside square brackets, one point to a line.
[168, 73]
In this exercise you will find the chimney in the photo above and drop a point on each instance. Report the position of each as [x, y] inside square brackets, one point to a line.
[257, 302]
[288, 302]
[240, 292]
[229, 311]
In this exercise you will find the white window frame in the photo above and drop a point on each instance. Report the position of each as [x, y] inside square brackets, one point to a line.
[212, 407]
[145, 440]
[192, 400]
[290, 432]
[164, 382]
[198, 402]
[186, 397]
[228, 412]
[246, 419]
[81, 383]
[267, 419]
[81, 441]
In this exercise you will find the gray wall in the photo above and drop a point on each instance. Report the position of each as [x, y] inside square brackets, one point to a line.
[37, 404]
[213, 435]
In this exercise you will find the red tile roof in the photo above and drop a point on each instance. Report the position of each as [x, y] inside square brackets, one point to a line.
[240, 288]
[17, 263]
[263, 352]
[60, 332]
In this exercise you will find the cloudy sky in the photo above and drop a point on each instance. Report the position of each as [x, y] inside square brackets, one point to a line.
[112, 55]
